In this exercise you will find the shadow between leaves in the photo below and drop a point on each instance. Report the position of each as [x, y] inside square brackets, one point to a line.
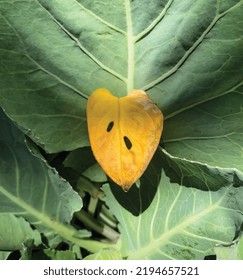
[142, 193]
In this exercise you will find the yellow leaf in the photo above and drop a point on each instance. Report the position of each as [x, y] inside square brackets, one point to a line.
[124, 133]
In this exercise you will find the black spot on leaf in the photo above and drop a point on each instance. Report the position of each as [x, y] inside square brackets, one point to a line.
[110, 126]
[127, 142]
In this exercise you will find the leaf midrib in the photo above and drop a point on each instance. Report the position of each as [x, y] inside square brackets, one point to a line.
[130, 48]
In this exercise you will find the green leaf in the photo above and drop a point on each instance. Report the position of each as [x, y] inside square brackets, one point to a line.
[15, 232]
[95, 173]
[33, 190]
[180, 222]
[187, 55]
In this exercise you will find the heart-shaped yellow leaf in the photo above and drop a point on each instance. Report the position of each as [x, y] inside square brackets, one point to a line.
[124, 133]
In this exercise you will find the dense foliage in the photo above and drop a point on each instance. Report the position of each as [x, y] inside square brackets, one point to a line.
[55, 201]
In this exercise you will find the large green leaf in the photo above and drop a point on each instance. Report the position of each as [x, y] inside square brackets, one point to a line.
[31, 189]
[180, 222]
[182, 52]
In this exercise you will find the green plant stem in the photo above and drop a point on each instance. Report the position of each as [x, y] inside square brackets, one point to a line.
[89, 221]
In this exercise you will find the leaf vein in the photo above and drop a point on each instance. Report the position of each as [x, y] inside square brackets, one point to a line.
[101, 19]
[84, 50]
[185, 232]
[210, 98]
[154, 22]
[151, 232]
